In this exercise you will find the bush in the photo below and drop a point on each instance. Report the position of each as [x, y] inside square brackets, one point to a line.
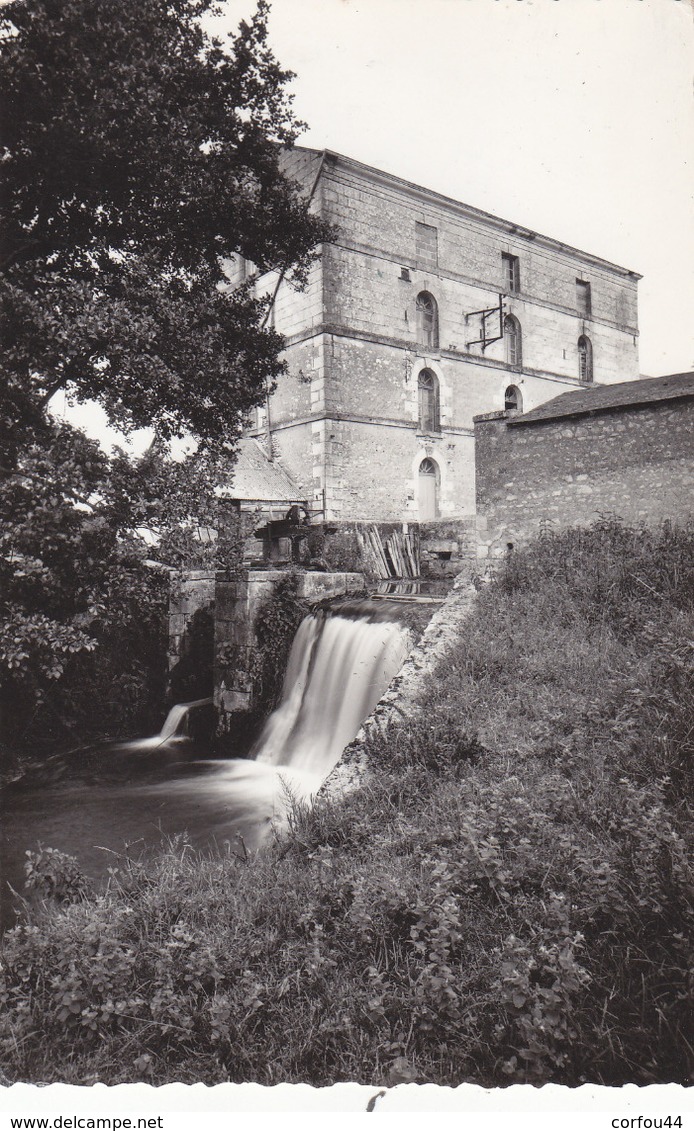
[51, 874]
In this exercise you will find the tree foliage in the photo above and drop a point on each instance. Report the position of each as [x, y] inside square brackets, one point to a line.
[81, 614]
[139, 155]
[85, 542]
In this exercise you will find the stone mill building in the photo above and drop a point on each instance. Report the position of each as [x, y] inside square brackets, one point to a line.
[423, 313]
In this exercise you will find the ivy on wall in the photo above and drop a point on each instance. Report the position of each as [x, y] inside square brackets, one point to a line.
[275, 630]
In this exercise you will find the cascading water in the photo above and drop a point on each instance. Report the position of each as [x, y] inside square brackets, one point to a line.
[338, 669]
[340, 664]
[175, 723]
[177, 735]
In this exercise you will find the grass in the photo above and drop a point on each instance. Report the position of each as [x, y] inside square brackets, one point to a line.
[508, 900]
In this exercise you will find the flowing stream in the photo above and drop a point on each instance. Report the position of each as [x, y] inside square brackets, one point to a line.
[339, 667]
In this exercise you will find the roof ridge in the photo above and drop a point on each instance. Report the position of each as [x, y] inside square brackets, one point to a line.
[593, 398]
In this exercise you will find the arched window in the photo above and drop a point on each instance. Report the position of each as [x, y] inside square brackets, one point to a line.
[428, 385]
[514, 346]
[585, 360]
[427, 495]
[427, 321]
[513, 399]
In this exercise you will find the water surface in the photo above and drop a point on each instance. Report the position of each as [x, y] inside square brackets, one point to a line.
[127, 796]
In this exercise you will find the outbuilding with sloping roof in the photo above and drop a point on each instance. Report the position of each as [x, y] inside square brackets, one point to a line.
[622, 450]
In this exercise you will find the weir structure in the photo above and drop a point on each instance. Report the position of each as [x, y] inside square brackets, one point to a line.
[343, 657]
[228, 609]
[341, 661]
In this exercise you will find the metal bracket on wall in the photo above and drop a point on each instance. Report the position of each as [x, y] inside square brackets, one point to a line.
[489, 316]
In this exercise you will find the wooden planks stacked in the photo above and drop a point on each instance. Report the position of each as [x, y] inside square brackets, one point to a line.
[402, 549]
[399, 557]
[372, 548]
[411, 552]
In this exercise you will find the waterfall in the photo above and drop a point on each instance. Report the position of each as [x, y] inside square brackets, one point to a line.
[176, 722]
[339, 667]
[174, 734]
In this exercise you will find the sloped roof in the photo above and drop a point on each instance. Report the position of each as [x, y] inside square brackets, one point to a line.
[259, 479]
[602, 398]
[518, 230]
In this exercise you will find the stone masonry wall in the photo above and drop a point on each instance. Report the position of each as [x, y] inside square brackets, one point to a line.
[370, 471]
[366, 293]
[636, 462]
[354, 352]
[447, 549]
[190, 592]
[376, 222]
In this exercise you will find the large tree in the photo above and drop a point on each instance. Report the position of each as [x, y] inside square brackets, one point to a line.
[139, 153]
[81, 622]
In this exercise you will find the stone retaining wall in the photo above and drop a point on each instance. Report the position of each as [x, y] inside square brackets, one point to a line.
[235, 605]
[401, 700]
[191, 591]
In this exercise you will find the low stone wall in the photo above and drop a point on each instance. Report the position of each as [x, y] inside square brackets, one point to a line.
[401, 700]
[447, 546]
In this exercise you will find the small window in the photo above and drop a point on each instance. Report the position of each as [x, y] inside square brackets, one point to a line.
[428, 386]
[426, 246]
[514, 346]
[583, 298]
[511, 270]
[585, 360]
[427, 321]
[513, 400]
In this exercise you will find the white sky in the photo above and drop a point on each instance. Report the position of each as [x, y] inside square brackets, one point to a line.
[572, 117]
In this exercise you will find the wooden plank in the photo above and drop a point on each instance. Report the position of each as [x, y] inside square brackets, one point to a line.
[407, 553]
[404, 570]
[376, 551]
[393, 552]
[366, 552]
[411, 543]
[380, 552]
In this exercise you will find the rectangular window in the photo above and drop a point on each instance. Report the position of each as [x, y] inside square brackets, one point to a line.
[426, 246]
[511, 269]
[583, 299]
